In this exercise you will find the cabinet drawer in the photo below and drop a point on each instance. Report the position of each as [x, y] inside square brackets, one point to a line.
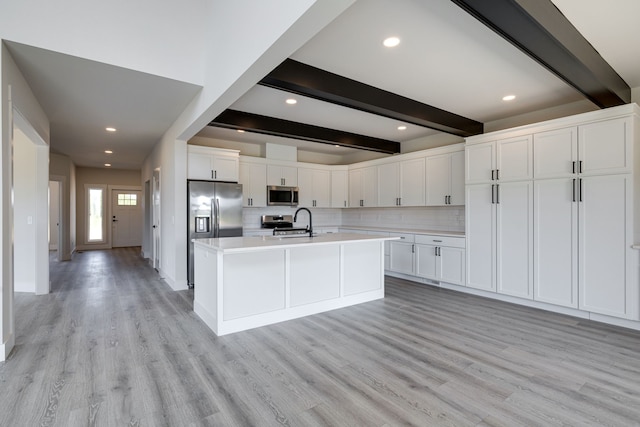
[404, 237]
[428, 239]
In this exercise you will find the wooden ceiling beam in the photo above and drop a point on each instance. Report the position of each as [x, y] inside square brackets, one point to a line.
[306, 80]
[541, 31]
[240, 120]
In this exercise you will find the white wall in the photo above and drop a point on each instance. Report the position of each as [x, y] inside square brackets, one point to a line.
[14, 93]
[161, 37]
[24, 187]
[246, 40]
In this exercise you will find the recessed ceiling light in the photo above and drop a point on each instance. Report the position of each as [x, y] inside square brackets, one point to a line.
[509, 98]
[108, 151]
[291, 101]
[337, 146]
[110, 129]
[402, 128]
[240, 131]
[391, 42]
[108, 165]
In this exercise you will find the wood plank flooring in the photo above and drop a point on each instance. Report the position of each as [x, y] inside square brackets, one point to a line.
[112, 345]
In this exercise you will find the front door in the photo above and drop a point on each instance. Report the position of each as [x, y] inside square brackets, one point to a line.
[126, 218]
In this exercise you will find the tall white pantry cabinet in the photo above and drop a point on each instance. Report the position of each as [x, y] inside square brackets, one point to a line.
[553, 212]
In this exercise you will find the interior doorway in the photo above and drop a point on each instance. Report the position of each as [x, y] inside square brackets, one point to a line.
[55, 206]
[155, 227]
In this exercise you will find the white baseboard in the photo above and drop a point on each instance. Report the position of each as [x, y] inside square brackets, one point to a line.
[6, 347]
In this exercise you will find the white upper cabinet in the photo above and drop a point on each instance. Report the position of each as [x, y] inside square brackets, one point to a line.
[339, 188]
[514, 159]
[555, 153]
[412, 182]
[212, 164]
[363, 190]
[401, 183]
[282, 175]
[445, 179]
[253, 177]
[389, 184]
[480, 163]
[605, 147]
[314, 187]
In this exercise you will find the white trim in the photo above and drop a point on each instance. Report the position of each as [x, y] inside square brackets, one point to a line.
[7, 346]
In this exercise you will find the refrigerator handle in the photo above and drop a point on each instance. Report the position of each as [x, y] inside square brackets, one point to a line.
[216, 212]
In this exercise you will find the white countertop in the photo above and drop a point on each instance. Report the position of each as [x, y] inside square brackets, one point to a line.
[244, 244]
[405, 230]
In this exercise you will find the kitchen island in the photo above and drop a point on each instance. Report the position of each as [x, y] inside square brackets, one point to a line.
[246, 282]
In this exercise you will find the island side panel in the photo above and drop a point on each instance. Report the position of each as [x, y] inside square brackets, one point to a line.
[205, 290]
[254, 283]
[363, 267]
[315, 274]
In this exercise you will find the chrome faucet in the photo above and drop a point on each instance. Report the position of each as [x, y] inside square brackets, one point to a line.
[310, 227]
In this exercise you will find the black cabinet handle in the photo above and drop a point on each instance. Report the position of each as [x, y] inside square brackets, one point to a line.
[497, 194]
[573, 190]
[580, 182]
[497, 174]
[492, 174]
[580, 166]
[573, 168]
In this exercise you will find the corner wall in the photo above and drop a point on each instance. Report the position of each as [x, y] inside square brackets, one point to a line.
[14, 93]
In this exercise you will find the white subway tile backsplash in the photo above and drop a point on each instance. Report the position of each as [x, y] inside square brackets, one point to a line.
[436, 218]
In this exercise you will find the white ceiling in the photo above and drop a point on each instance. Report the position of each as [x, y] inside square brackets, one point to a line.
[446, 59]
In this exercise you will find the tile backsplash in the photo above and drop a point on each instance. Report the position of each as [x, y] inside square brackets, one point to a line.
[434, 218]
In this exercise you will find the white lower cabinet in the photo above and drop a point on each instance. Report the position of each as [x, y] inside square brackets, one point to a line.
[440, 258]
[401, 253]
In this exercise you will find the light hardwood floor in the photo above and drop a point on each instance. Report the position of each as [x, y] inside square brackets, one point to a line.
[112, 345]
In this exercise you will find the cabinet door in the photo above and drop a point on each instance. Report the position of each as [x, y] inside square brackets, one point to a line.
[555, 153]
[199, 166]
[450, 265]
[339, 185]
[401, 257]
[225, 168]
[305, 186]
[605, 147]
[605, 216]
[457, 178]
[369, 187]
[388, 184]
[480, 236]
[412, 182]
[438, 179]
[355, 188]
[515, 158]
[426, 259]
[514, 234]
[322, 188]
[282, 175]
[479, 162]
[555, 242]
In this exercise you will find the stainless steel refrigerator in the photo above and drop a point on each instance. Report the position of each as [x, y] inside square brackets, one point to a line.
[215, 210]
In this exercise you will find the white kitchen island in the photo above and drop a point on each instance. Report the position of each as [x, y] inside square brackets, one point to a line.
[246, 282]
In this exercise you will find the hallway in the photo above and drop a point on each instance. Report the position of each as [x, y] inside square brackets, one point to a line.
[112, 345]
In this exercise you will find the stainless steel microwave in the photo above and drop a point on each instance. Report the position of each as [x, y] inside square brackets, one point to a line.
[282, 196]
